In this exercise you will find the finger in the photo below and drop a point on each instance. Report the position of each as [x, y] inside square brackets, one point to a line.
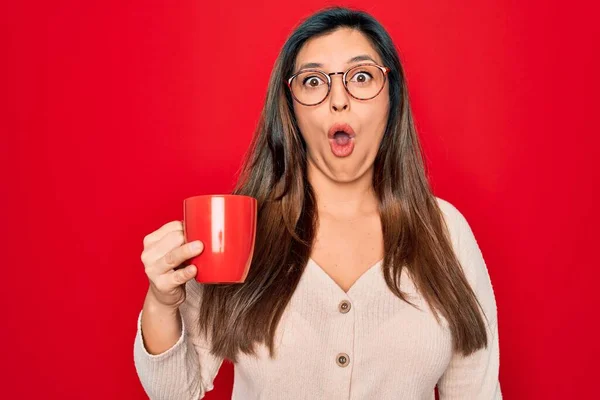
[158, 234]
[178, 256]
[169, 281]
[181, 276]
[170, 241]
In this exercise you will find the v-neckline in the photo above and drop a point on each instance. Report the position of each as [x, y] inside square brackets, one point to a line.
[356, 283]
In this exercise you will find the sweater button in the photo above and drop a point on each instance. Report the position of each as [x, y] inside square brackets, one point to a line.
[344, 306]
[342, 360]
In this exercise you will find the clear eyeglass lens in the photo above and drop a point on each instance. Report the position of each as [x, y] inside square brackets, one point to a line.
[364, 82]
[310, 87]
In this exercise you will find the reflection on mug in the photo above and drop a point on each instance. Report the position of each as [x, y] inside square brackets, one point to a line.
[218, 224]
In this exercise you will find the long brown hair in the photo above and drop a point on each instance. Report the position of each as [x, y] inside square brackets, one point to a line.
[237, 316]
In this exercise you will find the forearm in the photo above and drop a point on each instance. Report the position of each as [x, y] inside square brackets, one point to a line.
[173, 372]
[161, 326]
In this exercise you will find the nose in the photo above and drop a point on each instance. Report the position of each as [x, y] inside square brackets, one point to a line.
[339, 98]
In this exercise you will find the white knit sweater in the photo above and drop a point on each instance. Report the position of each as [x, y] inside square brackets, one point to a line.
[359, 345]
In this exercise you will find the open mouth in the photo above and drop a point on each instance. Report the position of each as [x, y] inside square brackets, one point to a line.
[341, 139]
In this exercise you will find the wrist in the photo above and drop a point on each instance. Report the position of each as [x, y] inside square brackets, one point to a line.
[154, 306]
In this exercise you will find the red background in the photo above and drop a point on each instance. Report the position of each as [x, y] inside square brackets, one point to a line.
[113, 112]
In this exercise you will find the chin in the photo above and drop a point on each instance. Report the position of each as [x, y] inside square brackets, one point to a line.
[341, 180]
[347, 174]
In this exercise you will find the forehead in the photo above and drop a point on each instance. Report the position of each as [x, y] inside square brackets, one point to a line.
[335, 49]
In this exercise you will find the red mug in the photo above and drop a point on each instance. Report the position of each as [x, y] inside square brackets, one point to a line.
[226, 224]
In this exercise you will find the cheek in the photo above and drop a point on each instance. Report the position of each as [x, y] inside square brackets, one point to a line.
[384, 105]
[308, 121]
[376, 115]
[301, 117]
[383, 114]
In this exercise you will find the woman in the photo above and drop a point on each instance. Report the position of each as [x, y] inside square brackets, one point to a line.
[363, 285]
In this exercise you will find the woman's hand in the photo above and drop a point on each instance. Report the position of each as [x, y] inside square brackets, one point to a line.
[164, 254]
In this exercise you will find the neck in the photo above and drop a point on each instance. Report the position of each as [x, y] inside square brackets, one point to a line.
[343, 200]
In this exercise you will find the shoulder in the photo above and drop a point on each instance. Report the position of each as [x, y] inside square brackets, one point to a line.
[455, 221]
[446, 207]
[464, 242]
[469, 255]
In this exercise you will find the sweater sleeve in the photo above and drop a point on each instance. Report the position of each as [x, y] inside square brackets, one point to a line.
[476, 375]
[186, 370]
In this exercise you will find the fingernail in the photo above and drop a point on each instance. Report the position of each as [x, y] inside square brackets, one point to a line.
[196, 245]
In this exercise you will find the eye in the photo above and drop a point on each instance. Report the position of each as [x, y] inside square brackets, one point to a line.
[361, 77]
[312, 81]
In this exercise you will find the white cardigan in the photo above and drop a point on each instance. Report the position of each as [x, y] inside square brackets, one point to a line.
[360, 345]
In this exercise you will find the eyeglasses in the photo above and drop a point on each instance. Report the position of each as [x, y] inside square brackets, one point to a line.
[311, 87]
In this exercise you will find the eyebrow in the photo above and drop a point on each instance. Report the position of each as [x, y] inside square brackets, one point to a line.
[362, 57]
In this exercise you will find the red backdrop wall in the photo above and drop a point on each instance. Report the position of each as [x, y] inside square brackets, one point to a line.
[113, 112]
